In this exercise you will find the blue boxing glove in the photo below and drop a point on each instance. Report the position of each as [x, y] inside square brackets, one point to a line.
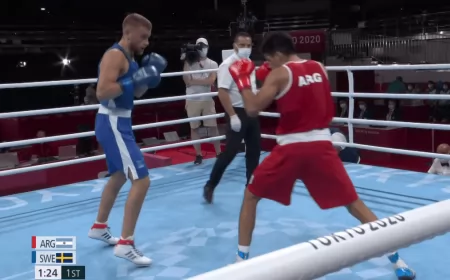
[156, 60]
[147, 76]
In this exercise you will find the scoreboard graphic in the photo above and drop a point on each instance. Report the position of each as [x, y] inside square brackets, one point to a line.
[54, 257]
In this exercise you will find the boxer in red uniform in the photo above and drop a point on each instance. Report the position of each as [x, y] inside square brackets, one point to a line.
[303, 96]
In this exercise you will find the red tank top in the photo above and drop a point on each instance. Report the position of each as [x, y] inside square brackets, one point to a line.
[306, 103]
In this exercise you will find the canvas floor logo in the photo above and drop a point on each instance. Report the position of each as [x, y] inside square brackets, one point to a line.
[176, 252]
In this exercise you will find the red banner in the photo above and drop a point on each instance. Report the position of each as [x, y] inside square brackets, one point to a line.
[309, 41]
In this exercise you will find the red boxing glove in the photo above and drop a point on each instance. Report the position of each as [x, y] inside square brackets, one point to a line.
[263, 71]
[241, 70]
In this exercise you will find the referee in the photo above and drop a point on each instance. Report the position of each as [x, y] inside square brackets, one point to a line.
[239, 125]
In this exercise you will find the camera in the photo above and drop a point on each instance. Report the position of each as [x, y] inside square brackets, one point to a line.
[191, 52]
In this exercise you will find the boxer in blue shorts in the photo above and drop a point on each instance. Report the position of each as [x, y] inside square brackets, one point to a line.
[120, 80]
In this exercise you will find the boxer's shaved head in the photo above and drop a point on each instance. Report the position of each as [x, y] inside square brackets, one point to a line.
[137, 30]
[135, 20]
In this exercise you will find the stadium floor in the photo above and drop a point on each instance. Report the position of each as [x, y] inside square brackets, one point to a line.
[186, 237]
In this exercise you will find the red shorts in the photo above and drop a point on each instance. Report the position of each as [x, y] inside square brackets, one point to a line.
[317, 164]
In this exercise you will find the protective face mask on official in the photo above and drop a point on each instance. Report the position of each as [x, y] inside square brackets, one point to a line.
[204, 52]
[244, 52]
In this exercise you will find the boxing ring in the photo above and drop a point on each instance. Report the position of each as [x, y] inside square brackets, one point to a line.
[191, 240]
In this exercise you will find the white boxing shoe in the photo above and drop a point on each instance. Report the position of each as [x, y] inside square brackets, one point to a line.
[125, 249]
[101, 232]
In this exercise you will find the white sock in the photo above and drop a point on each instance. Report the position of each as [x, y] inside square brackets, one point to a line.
[244, 249]
[97, 222]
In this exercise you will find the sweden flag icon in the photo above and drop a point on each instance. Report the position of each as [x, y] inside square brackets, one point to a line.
[64, 257]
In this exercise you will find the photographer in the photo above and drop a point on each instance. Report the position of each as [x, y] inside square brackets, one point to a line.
[195, 57]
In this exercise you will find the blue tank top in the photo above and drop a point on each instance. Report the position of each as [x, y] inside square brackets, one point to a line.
[126, 99]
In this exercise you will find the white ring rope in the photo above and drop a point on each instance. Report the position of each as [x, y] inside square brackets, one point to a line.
[95, 107]
[314, 259]
[92, 133]
[208, 94]
[350, 120]
[88, 159]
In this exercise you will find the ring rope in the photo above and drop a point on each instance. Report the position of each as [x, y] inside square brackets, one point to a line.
[174, 74]
[179, 121]
[350, 121]
[95, 107]
[313, 259]
[92, 133]
[210, 94]
[93, 158]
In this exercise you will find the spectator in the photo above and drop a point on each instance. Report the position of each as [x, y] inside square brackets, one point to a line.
[242, 22]
[393, 113]
[343, 109]
[441, 166]
[91, 97]
[415, 102]
[433, 108]
[364, 111]
[431, 88]
[397, 86]
[443, 106]
[410, 89]
[75, 93]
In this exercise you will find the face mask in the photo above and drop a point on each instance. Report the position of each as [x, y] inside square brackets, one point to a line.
[343, 105]
[244, 52]
[391, 106]
[362, 107]
[204, 52]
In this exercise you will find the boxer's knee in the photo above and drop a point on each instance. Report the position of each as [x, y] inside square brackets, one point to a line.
[142, 182]
[117, 180]
[250, 198]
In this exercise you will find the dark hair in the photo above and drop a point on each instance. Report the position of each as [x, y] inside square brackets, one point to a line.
[278, 42]
[242, 34]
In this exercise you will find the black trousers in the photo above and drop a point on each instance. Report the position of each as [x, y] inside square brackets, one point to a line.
[250, 132]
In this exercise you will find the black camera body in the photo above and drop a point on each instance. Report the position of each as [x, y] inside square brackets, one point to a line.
[191, 52]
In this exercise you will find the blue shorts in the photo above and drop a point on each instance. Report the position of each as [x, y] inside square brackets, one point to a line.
[115, 135]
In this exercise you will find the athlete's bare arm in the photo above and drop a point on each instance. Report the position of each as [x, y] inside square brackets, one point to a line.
[111, 68]
[274, 83]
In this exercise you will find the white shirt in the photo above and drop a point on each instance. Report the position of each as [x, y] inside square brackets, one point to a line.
[437, 168]
[225, 81]
[202, 65]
